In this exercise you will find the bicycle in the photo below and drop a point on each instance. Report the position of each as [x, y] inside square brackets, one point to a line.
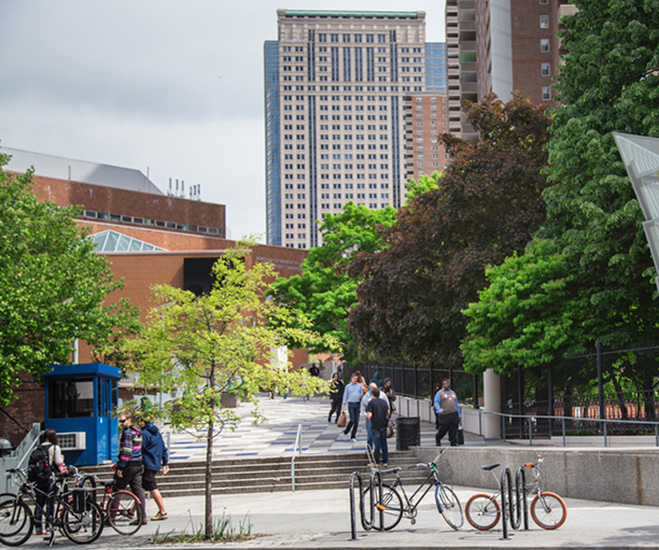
[391, 506]
[121, 509]
[548, 510]
[80, 519]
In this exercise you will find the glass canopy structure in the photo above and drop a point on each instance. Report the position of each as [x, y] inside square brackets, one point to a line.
[641, 157]
[111, 241]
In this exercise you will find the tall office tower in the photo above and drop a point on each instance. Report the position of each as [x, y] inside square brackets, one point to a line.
[334, 88]
[501, 46]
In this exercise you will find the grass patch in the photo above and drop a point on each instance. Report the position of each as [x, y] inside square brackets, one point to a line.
[224, 530]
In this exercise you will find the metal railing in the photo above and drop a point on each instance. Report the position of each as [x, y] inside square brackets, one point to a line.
[297, 447]
[604, 423]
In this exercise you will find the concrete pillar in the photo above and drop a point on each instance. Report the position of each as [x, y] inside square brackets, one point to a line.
[492, 403]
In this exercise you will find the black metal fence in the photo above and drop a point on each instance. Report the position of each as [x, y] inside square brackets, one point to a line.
[624, 387]
[420, 381]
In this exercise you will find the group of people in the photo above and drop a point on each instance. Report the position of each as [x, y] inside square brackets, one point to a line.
[375, 402]
[142, 454]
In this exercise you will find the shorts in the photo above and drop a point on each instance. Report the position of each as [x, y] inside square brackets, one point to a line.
[149, 480]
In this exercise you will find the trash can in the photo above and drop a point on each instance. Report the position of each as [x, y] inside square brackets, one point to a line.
[408, 432]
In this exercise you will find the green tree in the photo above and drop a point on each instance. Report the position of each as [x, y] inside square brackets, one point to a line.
[325, 292]
[208, 345]
[592, 277]
[53, 287]
[487, 204]
[425, 184]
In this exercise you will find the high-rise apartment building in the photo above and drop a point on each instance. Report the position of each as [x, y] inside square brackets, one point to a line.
[501, 46]
[335, 83]
[426, 118]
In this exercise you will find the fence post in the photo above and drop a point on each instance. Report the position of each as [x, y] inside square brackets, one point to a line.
[530, 430]
[606, 444]
[563, 427]
[600, 380]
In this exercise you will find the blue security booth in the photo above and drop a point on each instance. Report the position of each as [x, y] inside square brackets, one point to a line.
[80, 400]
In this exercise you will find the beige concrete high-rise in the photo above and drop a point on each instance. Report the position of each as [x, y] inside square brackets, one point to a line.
[334, 88]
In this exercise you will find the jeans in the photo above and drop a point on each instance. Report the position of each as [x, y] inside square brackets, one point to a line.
[369, 434]
[353, 409]
[380, 441]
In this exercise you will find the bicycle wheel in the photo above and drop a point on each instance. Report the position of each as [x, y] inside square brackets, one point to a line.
[548, 510]
[16, 522]
[483, 512]
[389, 503]
[449, 506]
[124, 512]
[82, 527]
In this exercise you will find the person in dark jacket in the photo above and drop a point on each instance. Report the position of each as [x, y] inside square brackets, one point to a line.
[336, 396]
[129, 467]
[154, 456]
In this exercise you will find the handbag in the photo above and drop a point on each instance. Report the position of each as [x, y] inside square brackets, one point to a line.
[341, 422]
[391, 429]
[461, 436]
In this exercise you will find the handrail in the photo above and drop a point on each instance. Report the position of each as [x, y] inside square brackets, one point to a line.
[296, 447]
[532, 417]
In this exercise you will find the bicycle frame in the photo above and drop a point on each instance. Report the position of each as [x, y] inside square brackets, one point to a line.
[432, 480]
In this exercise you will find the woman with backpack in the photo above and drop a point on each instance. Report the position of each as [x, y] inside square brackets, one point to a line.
[45, 460]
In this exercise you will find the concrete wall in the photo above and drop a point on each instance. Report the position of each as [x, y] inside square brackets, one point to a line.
[629, 476]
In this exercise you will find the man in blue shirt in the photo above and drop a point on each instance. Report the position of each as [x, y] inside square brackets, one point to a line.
[352, 395]
[448, 413]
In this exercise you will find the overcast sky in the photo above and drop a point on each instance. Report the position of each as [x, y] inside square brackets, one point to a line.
[172, 86]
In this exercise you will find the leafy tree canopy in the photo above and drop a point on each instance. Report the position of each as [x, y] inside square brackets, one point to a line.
[595, 275]
[52, 287]
[325, 292]
[487, 204]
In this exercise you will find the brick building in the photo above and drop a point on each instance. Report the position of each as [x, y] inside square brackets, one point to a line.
[148, 237]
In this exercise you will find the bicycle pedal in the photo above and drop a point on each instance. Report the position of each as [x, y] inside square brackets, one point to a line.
[380, 507]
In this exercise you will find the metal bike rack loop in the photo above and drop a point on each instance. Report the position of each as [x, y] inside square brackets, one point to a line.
[507, 507]
[367, 524]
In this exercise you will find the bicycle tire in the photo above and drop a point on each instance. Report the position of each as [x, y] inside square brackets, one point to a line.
[548, 510]
[124, 512]
[483, 512]
[82, 527]
[393, 507]
[16, 522]
[449, 506]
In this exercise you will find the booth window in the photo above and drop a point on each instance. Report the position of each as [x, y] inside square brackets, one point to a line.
[71, 398]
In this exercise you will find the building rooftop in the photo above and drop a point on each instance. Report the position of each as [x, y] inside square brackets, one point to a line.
[50, 166]
[352, 14]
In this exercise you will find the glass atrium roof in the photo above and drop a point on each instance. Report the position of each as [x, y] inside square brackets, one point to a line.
[111, 241]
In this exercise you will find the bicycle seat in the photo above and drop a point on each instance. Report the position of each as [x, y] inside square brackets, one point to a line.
[106, 483]
[489, 467]
[391, 470]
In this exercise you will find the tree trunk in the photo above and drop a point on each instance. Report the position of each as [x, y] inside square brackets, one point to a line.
[208, 519]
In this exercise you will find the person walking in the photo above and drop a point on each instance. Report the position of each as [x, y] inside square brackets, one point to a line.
[352, 396]
[377, 412]
[368, 396]
[47, 459]
[129, 467]
[448, 413]
[154, 455]
[336, 396]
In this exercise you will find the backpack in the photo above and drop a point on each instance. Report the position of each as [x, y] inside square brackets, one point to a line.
[39, 466]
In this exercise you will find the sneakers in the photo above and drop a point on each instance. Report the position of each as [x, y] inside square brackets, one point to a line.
[159, 516]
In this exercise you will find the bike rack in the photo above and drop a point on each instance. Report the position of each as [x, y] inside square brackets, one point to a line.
[507, 499]
[366, 524]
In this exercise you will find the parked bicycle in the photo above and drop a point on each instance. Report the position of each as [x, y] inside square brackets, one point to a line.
[121, 509]
[71, 511]
[548, 510]
[391, 505]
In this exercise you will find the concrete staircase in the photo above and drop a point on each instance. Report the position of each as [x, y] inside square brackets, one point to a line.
[272, 474]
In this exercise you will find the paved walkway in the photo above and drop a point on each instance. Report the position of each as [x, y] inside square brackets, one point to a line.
[276, 436]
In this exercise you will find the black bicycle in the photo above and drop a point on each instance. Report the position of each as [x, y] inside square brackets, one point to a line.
[73, 512]
[389, 504]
